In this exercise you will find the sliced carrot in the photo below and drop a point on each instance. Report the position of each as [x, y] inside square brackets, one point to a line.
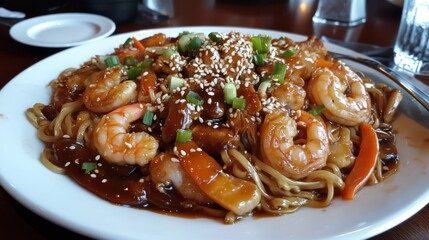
[324, 63]
[364, 163]
[138, 44]
[234, 194]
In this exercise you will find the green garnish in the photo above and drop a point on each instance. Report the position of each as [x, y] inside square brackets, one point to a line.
[259, 59]
[194, 98]
[111, 61]
[229, 92]
[261, 43]
[289, 52]
[175, 82]
[148, 118]
[214, 36]
[238, 103]
[183, 135]
[130, 61]
[134, 72]
[128, 41]
[279, 72]
[88, 167]
[317, 110]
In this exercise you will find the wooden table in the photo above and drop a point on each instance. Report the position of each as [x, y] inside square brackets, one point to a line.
[290, 16]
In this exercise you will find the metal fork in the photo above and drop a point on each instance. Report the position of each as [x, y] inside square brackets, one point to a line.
[406, 84]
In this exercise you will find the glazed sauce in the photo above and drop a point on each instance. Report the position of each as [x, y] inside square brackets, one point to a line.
[126, 185]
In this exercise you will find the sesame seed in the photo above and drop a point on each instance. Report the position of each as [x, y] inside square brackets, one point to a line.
[104, 180]
[182, 152]
[93, 175]
[67, 164]
[72, 147]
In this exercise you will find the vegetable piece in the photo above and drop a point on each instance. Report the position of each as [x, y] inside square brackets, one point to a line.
[263, 86]
[215, 37]
[190, 43]
[111, 61]
[289, 52]
[148, 117]
[175, 82]
[138, 44]
[234, 194]
[364, 164]
[165, 51]
[183, 135]
[194, 98]
[259, 59]
[134, 72]
[128, 41]
[261, 43]
[88, 167]
[229, 92]
[130, 61]
[238, 103]
[324, 63]
[317, 110]
[279, 72]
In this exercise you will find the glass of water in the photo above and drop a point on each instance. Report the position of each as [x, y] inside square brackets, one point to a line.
[412, 43]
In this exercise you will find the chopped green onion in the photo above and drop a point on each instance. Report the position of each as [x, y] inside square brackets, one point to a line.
[289, 52]
[130, 61]
[279, 72]
[128, 41]
[263, 86]
[147, 63]
[165, 51]
[183, 33]
[229, 92]
[238, 103]
[175, 82]
[317, 110]
[264, 79]
[194, 98]
[194, 44]
[190, 43]
[148, 117]
[214, 36]
[261, 43]
[183, 135]
[259, 59]
[88, 167]
[134, 72]
[111, 61]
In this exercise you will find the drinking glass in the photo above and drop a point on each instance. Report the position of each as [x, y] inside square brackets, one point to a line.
[347, 13]
[412, 43]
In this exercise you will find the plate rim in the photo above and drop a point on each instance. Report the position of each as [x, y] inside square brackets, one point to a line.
[64, 223]
[19, 31]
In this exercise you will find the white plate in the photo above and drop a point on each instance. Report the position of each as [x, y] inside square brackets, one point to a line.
[62, 201]
[62, 30]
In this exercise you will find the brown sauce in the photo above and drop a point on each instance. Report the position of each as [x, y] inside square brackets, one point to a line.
[121, 184]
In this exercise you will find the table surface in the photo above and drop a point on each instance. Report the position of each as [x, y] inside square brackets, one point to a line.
[290, 16]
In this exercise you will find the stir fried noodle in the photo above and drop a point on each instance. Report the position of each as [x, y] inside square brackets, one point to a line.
[225, 125]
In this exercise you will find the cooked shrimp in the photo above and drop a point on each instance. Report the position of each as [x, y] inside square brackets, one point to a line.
[343, 94]
[106, 91]
[116, 145]
[291, 95]
[279, 150]
[165, 169]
